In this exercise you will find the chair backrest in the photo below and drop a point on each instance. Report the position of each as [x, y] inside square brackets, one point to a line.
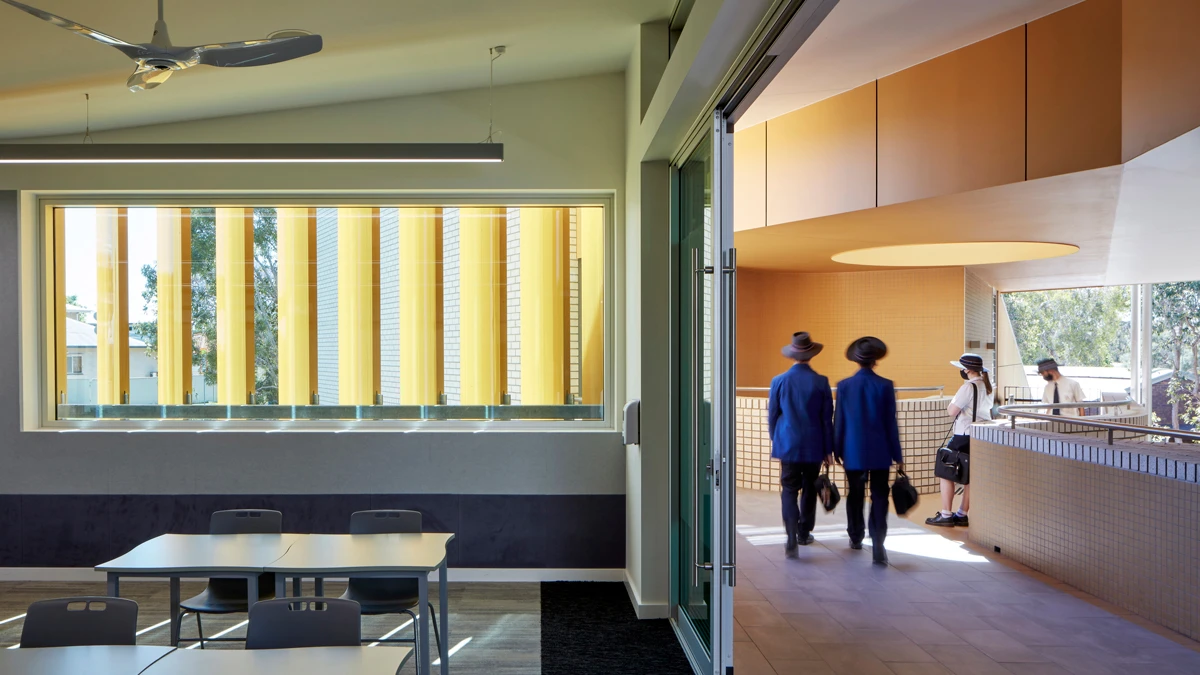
[81, 621]
[385, 521]
[246, 521]
[290, 623]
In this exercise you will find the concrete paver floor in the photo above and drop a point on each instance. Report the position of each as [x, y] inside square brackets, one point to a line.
[943, 606]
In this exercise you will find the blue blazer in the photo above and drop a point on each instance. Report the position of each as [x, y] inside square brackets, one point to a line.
[866, 435]
[800, 415]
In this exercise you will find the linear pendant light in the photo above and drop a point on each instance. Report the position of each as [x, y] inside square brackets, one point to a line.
[250, 153]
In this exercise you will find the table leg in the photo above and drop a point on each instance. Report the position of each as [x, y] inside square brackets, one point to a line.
[423, 625]
[175, 620]
[281, 586]
[319, 587]
[297, 589]
[444, 608]
[114, 585]
[251, 592]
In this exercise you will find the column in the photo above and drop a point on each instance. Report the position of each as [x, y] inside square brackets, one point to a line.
[235, 305]
[482, 285]
[297, 288]
[174, 305]
[358, 306]
[591, 282]
[544, 282]
[112, 306]
[420, 251]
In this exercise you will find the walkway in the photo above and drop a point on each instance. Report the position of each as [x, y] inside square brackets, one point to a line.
[943, 607]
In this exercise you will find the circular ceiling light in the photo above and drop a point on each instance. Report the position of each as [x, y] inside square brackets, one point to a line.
[954, 254]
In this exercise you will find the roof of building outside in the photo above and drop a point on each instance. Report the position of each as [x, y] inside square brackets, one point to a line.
[80, 334]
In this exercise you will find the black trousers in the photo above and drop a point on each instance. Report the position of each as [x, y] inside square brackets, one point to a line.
[857, 486]
[799, 479]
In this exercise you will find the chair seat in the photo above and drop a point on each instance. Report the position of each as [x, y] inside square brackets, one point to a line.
[227, 596]
[383, 596]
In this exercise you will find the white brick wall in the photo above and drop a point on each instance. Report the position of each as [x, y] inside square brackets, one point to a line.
[389, 305]
[450, 298]
[513, 246]
[327, 305]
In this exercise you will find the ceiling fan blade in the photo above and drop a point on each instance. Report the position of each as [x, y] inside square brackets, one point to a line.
[147, 78]
[77, 28]
[257, 52]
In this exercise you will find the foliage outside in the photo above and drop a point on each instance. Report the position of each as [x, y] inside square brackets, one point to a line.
[204, 301]
[1176, 317]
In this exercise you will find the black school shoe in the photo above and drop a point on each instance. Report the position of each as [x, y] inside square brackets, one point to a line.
[942, 521]
[805, 540]
[856, 545]
[960, 521]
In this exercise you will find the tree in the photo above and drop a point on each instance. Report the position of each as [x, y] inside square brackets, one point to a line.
[1076, 327]
[204, 301]
[1176, 324]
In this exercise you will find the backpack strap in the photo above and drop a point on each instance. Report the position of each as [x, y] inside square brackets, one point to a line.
[974, 402]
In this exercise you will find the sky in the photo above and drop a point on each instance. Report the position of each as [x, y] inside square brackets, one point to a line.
[80, 250]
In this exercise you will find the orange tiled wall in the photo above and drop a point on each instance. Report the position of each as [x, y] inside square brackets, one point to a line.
[918, 313]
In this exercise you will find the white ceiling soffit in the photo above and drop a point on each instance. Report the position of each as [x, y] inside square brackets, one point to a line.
[373, 49]
[863, 40]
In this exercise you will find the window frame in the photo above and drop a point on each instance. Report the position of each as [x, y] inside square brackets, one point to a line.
[49, 275]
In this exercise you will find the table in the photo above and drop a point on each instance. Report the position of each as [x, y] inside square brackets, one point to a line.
[123, 660]
[308, 661]
[199, 555]
[390, 556]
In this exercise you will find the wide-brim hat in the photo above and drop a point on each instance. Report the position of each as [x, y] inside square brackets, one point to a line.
[970, 362]
[802, 347]
[866, 349]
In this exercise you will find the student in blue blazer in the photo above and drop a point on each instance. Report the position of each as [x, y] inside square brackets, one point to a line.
[800, 421]
[867, 442]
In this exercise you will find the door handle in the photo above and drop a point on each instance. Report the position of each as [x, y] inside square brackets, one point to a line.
[698, 272]
[728, 456]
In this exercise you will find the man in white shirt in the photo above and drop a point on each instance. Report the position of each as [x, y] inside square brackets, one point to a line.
[1060, 389]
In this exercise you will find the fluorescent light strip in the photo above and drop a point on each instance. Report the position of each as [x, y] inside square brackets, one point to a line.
[453, 651]
[277, 160]
[392, 632]
[160, 624]
[221, 634]
[11, 619]
[252, 153]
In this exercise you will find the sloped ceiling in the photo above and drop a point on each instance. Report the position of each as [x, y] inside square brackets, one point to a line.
[373, 49]
[863, 40]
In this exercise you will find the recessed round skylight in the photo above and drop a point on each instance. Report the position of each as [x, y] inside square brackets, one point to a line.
[954, 254]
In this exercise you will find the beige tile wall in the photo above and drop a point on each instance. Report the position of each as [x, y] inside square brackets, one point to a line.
[923, 423]
[1121, 522]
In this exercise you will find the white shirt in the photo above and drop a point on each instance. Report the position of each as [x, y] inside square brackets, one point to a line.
[964, 399]
[1069, 391]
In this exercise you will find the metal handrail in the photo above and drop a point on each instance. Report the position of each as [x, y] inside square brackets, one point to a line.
[939, 387]
[1015, 411]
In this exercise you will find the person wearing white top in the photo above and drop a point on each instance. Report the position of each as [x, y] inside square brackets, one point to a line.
[1060, 389]
[971, 403]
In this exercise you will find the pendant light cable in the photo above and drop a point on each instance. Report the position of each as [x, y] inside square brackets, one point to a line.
[87, 119]
[495, 53]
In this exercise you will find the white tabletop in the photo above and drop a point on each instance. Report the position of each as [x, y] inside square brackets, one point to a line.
[348, 553]
[124, 660]
[202, 554]
[310, 661]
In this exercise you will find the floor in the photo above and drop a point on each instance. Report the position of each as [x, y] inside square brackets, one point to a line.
[943, 606]
[496, 628]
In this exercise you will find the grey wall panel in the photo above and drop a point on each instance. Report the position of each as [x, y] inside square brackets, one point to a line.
[447, 462]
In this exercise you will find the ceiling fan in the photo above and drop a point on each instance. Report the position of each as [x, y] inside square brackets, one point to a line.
[157, 59]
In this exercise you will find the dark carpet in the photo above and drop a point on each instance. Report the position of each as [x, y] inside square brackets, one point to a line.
[590, 627]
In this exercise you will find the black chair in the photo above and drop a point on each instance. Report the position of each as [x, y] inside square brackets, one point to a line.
[88, 620]
[228, 596]
[290, 623]
[389, 596]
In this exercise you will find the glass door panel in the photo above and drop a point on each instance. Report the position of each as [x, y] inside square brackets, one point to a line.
[694, 545]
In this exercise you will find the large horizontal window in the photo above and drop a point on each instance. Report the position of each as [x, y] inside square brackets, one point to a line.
[255, 312]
